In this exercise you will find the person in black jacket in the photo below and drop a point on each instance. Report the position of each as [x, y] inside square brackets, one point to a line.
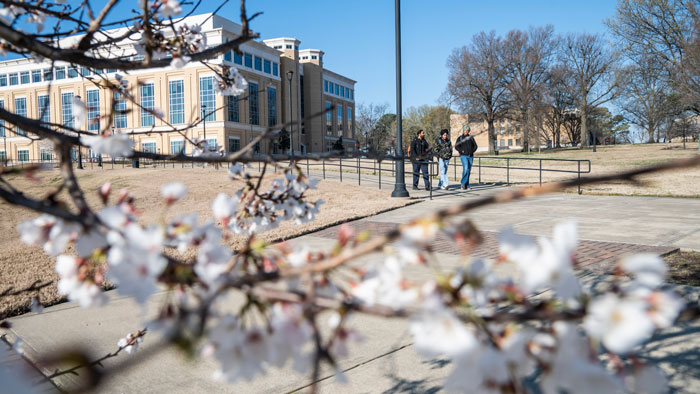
[420, 154]
[466, 146]
[443, 151]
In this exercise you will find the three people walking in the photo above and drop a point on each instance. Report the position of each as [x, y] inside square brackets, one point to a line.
[420, 153]
[443, 151]
[466, 146]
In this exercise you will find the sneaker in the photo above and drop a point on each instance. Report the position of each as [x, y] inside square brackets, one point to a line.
[427, 189]
[415, 187]
[444, 188]
[465, 187]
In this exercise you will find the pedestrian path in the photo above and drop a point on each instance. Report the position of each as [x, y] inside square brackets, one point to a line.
[385, 361]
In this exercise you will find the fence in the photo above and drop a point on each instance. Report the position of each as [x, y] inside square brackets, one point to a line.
[356, 166]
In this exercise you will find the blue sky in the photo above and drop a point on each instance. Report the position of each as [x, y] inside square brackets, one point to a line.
[358, 36]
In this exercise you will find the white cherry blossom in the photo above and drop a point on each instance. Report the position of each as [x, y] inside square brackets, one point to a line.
[437, 332]
[647, 268]
[173, 192]
[83, 291]
[619, 323]
[114, 145]
[130, 347]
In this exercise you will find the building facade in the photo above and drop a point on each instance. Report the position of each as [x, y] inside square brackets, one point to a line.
[184, 96]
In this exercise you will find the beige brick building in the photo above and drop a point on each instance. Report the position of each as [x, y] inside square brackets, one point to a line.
[184, 95]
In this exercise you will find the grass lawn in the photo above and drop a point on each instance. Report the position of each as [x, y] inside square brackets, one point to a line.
[608, 159]
[20, 264]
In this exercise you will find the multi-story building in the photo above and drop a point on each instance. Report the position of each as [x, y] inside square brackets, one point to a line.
[43, 91]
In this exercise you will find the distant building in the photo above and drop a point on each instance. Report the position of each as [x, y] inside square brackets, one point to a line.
[185, 95]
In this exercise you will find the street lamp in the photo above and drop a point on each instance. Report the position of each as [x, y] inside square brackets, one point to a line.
[80, 151]
[290, 73]
[400, 182]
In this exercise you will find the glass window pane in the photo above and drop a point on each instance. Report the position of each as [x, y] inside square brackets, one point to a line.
[14, 79]
[3, 80]
[248, 60]
[253, 102]
[44, 108]
[232, 109]
[24, 77]
[119, 111]
[72, 72]
[67, 109]
[238, 59]
[340, 119]
[234, 144]
[207, 98]
[271, 106]
[176, 91]
[147, 103]
[48, 74]
[36, 75]
[61, 73]
[275, 69]
[266, 67]
[258, 63]
[148, 147]
[93, 109]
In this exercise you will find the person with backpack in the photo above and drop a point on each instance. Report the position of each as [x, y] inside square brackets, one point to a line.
[443, 151]
[466, 146]
[420, 153]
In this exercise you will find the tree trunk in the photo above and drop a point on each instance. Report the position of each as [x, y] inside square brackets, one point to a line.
[584, 125]
[526, 130]
[492, 136]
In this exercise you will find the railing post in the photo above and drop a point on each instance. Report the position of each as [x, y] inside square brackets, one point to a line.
[455, 169]
[507, 171]
[358, 170]
[540, 172]
[579, 177]
[324, 167]
[479, 163]
[380, 175]
[307, 165]
[341, 169]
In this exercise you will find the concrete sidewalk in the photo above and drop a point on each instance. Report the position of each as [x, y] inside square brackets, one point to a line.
[385, 361]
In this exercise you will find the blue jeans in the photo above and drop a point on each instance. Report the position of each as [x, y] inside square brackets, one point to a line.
[467, 162]
[443, 165]
[417, 168]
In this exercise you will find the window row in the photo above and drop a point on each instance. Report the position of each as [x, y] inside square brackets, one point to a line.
[339, 119]
[177, 146]
[253, 62]
[338, 90]
[57, 73]
[176, 105]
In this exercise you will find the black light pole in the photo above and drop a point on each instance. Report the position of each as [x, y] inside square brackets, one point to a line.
[204, 116]
[80, 152]
[4, 138]
[134, 160]
[290, 74]
[400, 183]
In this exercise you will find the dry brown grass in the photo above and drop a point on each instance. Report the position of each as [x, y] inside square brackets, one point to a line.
[20, 264]
[684, 268]
[611, 159]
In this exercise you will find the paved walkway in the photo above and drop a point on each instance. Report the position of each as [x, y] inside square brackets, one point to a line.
[385, 362]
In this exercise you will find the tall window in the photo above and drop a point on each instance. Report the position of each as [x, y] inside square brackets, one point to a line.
[232, 109]
[36, 75]
[238, 59]
[258, 63]
[23, 154]
[329, 119]
[93, 109]
[72, 72]
[253, 102]
[177, 146]
[24, 77]
[67, 109]
[271, 106]
[267, 66]
[301, 94]
[2, 122]
[176, 92]
[44, 108]
[325, 86]
[14, 80]
[339, 110]
[148, 147]
[147, 102]
[248, 58]
[3, 80]
[48, 74]
[45, 155]
[234, 144]
[349, 117]
[337, 89]
[60, 73]
[119, 111]
[207, 98]
[21, 109]
[275, 70]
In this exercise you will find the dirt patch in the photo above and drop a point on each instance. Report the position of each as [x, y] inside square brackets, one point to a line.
[684, 268]
[21, 265]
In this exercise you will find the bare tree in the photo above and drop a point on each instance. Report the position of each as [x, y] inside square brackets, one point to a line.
[526, 60]
[367, 117]
[592, 64]
[557, 100]
[477, 83]
[644, 95]
[668, 31]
